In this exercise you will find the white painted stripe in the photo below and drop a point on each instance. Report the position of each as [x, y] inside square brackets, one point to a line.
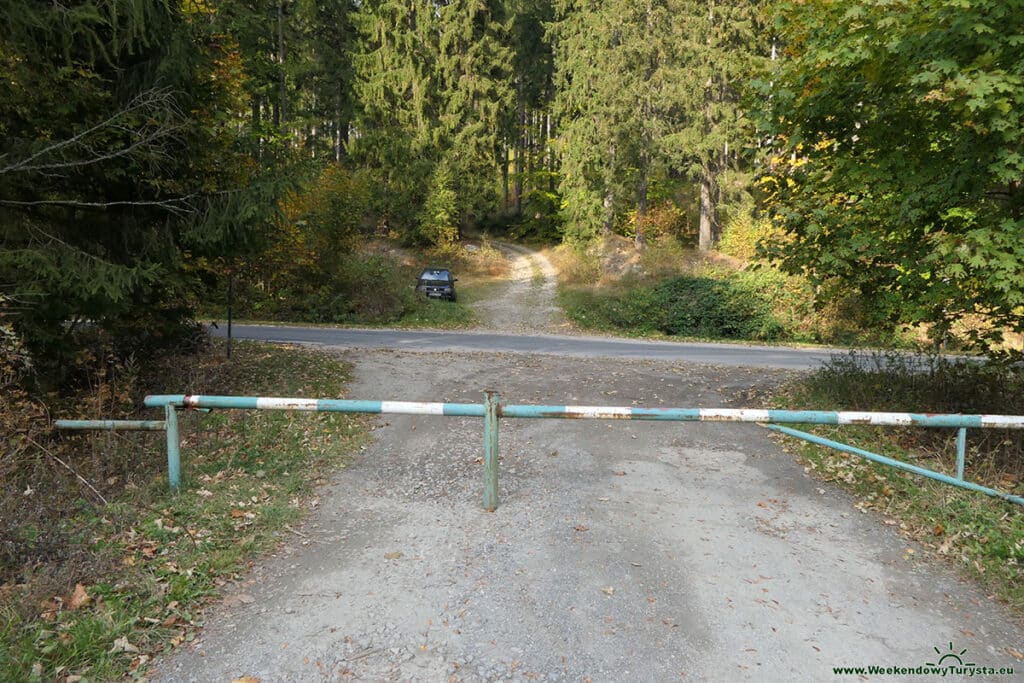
[736, 414]
[598, 411]
[1002, 421]
[411, 408]
[849, 417]
[286, 403]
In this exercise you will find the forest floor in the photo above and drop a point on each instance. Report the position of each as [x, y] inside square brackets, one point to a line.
[619, 551]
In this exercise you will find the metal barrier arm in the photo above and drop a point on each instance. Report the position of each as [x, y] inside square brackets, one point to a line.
[492, 409]
[112, 425]
[875, 457]
[765, 416]
[593, 412]
[321, 405]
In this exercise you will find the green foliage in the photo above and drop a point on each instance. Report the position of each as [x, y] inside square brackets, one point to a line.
[365, 289]
[332, 215]
[312, 269]
[118, 168]
[664, 220]
[669, 290]
[648, 91]
[541, 218]
[898, 173]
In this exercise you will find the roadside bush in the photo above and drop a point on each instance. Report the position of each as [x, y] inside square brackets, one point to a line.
[664, 219]
[365, 289]
[743, 234]
[739, 305]
[577, 263]
[730, 308]
[664, 256]
[892, 381]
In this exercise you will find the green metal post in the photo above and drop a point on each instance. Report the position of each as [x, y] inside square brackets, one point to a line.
[961, 452]
[173, 447]
[491, 404]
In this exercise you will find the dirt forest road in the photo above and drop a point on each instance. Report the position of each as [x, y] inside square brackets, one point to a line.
[620, 551]
[527, 303]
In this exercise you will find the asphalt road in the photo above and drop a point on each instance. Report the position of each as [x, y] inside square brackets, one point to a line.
[735, 355]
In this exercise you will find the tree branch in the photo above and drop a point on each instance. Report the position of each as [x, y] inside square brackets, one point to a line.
[179, 206]
[161, 121]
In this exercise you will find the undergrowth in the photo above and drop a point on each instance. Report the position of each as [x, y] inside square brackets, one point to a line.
[373, 286]
[984, 536]
[103, 568]
[759, 304]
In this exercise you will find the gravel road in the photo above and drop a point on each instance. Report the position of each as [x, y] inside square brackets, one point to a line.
[620, 551]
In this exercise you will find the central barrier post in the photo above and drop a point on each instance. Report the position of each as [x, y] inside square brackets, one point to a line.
[173, 447]
[491, 405]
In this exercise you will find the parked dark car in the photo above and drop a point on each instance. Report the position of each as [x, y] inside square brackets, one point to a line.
[437, 283]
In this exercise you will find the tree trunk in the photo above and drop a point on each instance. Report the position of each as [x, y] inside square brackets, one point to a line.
[609, 215]
[531, 142]
[641, 202]
[283, 83]
[256, 119]
[341, 126]
[707, 235]
[548, 152]
[520, 150]
[504, 179]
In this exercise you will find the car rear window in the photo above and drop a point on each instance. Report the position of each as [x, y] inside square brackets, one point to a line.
[441, 275]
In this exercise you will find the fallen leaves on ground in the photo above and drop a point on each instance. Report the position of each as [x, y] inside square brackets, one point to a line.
[122, 645]
[79, 598]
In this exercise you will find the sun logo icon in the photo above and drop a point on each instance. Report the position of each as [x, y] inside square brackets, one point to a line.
[950, 658]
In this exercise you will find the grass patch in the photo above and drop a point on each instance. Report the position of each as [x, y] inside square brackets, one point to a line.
[983, 536]
[438, 314]
[138, 570]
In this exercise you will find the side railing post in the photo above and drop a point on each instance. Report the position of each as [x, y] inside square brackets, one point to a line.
[961, 452]
[491, 404]
[173, 447]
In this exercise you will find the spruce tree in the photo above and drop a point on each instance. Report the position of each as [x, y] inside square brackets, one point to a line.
[725, 45]
[432, 80]
[119, 152]
[619, 75]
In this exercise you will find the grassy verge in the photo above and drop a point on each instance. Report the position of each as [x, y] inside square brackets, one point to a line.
[443, 315]
[140, 566]
[982, 536]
